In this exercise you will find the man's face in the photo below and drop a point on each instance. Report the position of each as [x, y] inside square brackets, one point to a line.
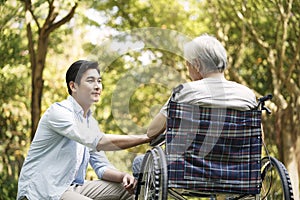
[89, 89]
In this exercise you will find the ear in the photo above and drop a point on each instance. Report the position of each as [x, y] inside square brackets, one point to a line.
[195, 65]
[73, 86]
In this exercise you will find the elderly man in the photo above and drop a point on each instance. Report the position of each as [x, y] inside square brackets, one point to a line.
[206, 61]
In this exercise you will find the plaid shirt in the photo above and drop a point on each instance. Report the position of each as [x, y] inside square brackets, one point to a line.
[213, 149]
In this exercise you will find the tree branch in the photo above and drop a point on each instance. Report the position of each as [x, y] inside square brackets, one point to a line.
[28, 7]
[239, 59]
[285, 19]
[270, 54]
[67, 18]
[51, 9]
[30, 37]
[248, 23]
[292, 86]
[240, 52]
[294, 61]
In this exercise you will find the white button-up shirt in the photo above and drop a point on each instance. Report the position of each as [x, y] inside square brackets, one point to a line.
[63, 145]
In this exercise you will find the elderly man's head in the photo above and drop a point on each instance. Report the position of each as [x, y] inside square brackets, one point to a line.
[206, 55]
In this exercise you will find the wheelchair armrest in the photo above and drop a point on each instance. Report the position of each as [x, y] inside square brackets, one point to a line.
[158, 140]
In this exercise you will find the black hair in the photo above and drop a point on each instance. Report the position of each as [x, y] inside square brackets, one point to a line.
[76, 71]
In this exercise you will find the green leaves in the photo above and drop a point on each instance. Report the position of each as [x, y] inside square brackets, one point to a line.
[144, 64]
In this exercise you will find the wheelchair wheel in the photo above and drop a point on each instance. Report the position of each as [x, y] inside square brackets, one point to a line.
[153, 178]
[276, 183]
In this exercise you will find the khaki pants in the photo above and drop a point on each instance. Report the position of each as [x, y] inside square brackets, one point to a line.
[97, 190]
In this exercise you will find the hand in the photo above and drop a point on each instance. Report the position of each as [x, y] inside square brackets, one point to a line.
[129, 183]
[147, 138]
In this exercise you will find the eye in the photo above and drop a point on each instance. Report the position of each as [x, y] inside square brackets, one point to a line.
[99, 80]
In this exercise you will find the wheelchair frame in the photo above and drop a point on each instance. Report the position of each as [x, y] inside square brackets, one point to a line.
[153, 176]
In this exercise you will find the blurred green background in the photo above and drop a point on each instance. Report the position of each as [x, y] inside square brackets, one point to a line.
[40, 39]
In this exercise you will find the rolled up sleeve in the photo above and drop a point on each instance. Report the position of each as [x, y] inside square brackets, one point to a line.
[99, 163]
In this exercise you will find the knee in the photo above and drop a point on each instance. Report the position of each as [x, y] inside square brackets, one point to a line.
[136, 165]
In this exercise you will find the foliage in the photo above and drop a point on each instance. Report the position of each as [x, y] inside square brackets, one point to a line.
[262, 39]
[12, 49]
[14, 104]
[14, 122]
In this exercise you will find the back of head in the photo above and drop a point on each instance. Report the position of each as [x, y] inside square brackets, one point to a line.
[206, 54]
[76, 71]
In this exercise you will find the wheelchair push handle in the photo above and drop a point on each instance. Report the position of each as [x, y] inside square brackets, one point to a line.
[265, 98]
[261, 103]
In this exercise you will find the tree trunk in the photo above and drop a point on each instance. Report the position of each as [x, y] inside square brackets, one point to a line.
[38, 55]
[291, 142]
[36, 93]
[38, 82]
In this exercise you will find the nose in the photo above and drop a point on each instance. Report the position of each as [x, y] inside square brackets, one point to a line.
[98, 86]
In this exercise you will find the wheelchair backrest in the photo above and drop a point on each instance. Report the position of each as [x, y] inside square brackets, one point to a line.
[213, 149]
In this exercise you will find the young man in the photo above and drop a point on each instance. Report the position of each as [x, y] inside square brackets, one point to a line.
[67, 138]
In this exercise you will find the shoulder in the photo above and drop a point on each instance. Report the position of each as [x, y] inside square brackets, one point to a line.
[243, 92]
[65, 105]
[60, 110]
[190, 88]
[241, 87]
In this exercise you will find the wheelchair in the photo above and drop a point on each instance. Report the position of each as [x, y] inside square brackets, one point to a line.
[212, 153]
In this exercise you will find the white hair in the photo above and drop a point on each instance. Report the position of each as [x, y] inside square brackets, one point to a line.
[206, 54]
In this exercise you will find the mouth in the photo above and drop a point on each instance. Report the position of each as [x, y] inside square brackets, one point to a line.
[96, 93]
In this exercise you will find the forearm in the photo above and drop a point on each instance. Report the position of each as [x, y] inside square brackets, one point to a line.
[112, 142]
[128, 181]
[113, 175]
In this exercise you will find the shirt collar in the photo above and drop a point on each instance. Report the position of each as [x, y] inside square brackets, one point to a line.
[77, 108]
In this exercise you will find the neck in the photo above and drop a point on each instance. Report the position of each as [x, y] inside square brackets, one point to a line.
[85, 111]
[83, 105]
[214, 75]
